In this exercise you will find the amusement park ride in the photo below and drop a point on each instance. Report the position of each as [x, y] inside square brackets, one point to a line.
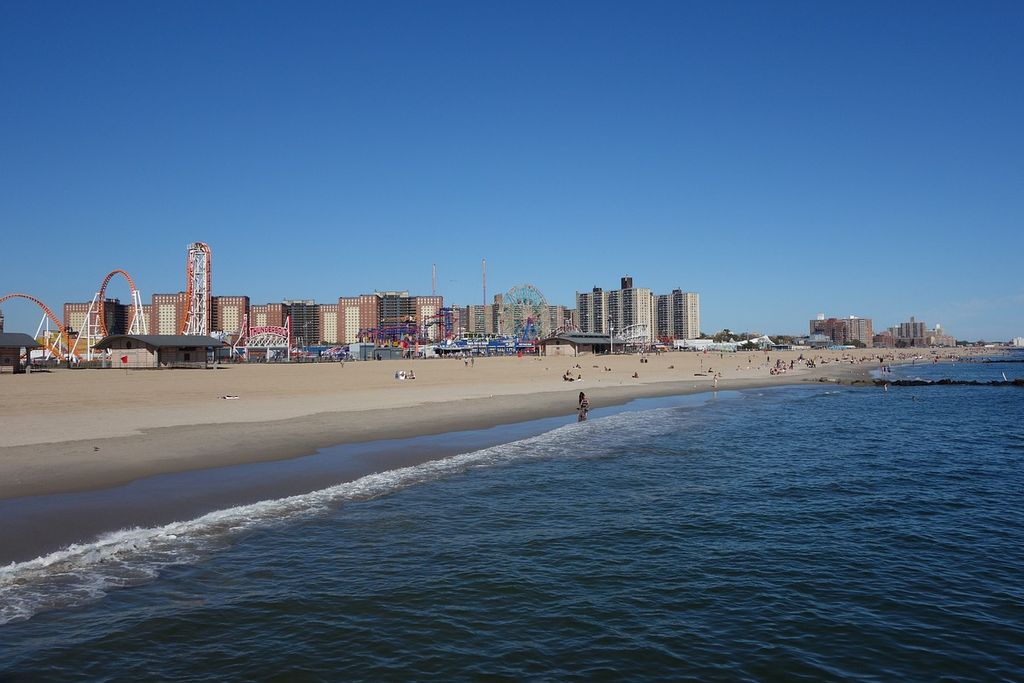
[522, 318]
[54, 347]
[61, 346]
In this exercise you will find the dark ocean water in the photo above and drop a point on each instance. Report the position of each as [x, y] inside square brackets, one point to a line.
[808, 533]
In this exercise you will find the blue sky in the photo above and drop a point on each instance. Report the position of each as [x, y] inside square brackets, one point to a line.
[781, 159]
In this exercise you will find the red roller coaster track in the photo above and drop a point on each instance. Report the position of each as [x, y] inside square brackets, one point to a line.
[102, 296]
[49, 314]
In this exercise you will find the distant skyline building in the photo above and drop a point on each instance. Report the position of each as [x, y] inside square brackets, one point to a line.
[938, 337]
[167, 313]
[844, 331]
[329, 323]
[267, 315]
[911, 333]
[477, 319]
[304, 318]
[387, 315]
[116, 316]
[229, 313]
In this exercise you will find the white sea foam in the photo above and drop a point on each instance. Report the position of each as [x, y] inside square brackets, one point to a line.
[84, 572]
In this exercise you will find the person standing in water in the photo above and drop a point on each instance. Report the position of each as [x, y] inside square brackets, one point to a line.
[583, 408]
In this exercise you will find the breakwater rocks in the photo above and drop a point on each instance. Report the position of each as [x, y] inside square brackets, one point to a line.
[948, 382]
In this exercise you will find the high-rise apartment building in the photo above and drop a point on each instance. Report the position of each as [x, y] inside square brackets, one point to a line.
[356, 313]
[167, 313]
[268, 315]
[912, 333]
[860, 329]
[677, 315]
[304, 315]
[75, 317]
[387, 314]
[427, 309]
[478, 319]
[591, 309]
[115, 314]
[558, 318]
[228, 313]
[622, 308]
[329, 323]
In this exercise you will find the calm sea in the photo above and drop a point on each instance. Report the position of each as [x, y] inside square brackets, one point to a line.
[807, 533]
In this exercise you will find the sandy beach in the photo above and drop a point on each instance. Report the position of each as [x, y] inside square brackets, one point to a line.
[82, 430]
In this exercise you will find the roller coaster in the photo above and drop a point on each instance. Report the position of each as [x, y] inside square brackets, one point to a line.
[56, 348]
[197, 295]
[95, 327]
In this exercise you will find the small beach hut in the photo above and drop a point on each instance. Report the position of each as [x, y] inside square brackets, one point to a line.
[12, 346]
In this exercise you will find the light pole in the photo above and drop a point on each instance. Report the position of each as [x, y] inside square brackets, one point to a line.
[611, 336]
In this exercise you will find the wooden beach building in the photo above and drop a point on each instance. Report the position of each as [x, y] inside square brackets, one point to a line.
[12, 346]
[576, 344]
[159, 350]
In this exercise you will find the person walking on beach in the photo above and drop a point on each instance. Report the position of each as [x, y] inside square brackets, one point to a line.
[583, 408]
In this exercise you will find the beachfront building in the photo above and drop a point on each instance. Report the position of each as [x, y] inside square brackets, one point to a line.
[158, 350]
[575, 344]
[12, 346]
[677, 315]
[1018, 342]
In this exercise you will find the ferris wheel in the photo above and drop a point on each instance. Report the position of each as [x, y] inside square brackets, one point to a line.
[523, 313]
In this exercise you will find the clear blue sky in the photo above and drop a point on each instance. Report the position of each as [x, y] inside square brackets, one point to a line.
[781, 159]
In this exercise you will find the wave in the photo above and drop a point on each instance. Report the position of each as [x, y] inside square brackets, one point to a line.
[82, 573]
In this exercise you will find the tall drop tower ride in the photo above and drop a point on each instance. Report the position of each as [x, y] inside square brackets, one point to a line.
[197, 295]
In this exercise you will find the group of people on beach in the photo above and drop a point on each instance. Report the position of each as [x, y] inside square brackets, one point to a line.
[403, 375]
[567, 375]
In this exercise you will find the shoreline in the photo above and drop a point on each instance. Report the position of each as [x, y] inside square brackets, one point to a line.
[76, 465]
[119, 482]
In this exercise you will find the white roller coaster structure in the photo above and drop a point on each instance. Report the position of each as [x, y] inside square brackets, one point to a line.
[638, 335]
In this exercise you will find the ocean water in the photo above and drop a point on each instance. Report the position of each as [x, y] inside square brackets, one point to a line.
[806, 533]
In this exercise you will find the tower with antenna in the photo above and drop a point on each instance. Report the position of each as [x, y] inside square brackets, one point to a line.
[433, 280]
